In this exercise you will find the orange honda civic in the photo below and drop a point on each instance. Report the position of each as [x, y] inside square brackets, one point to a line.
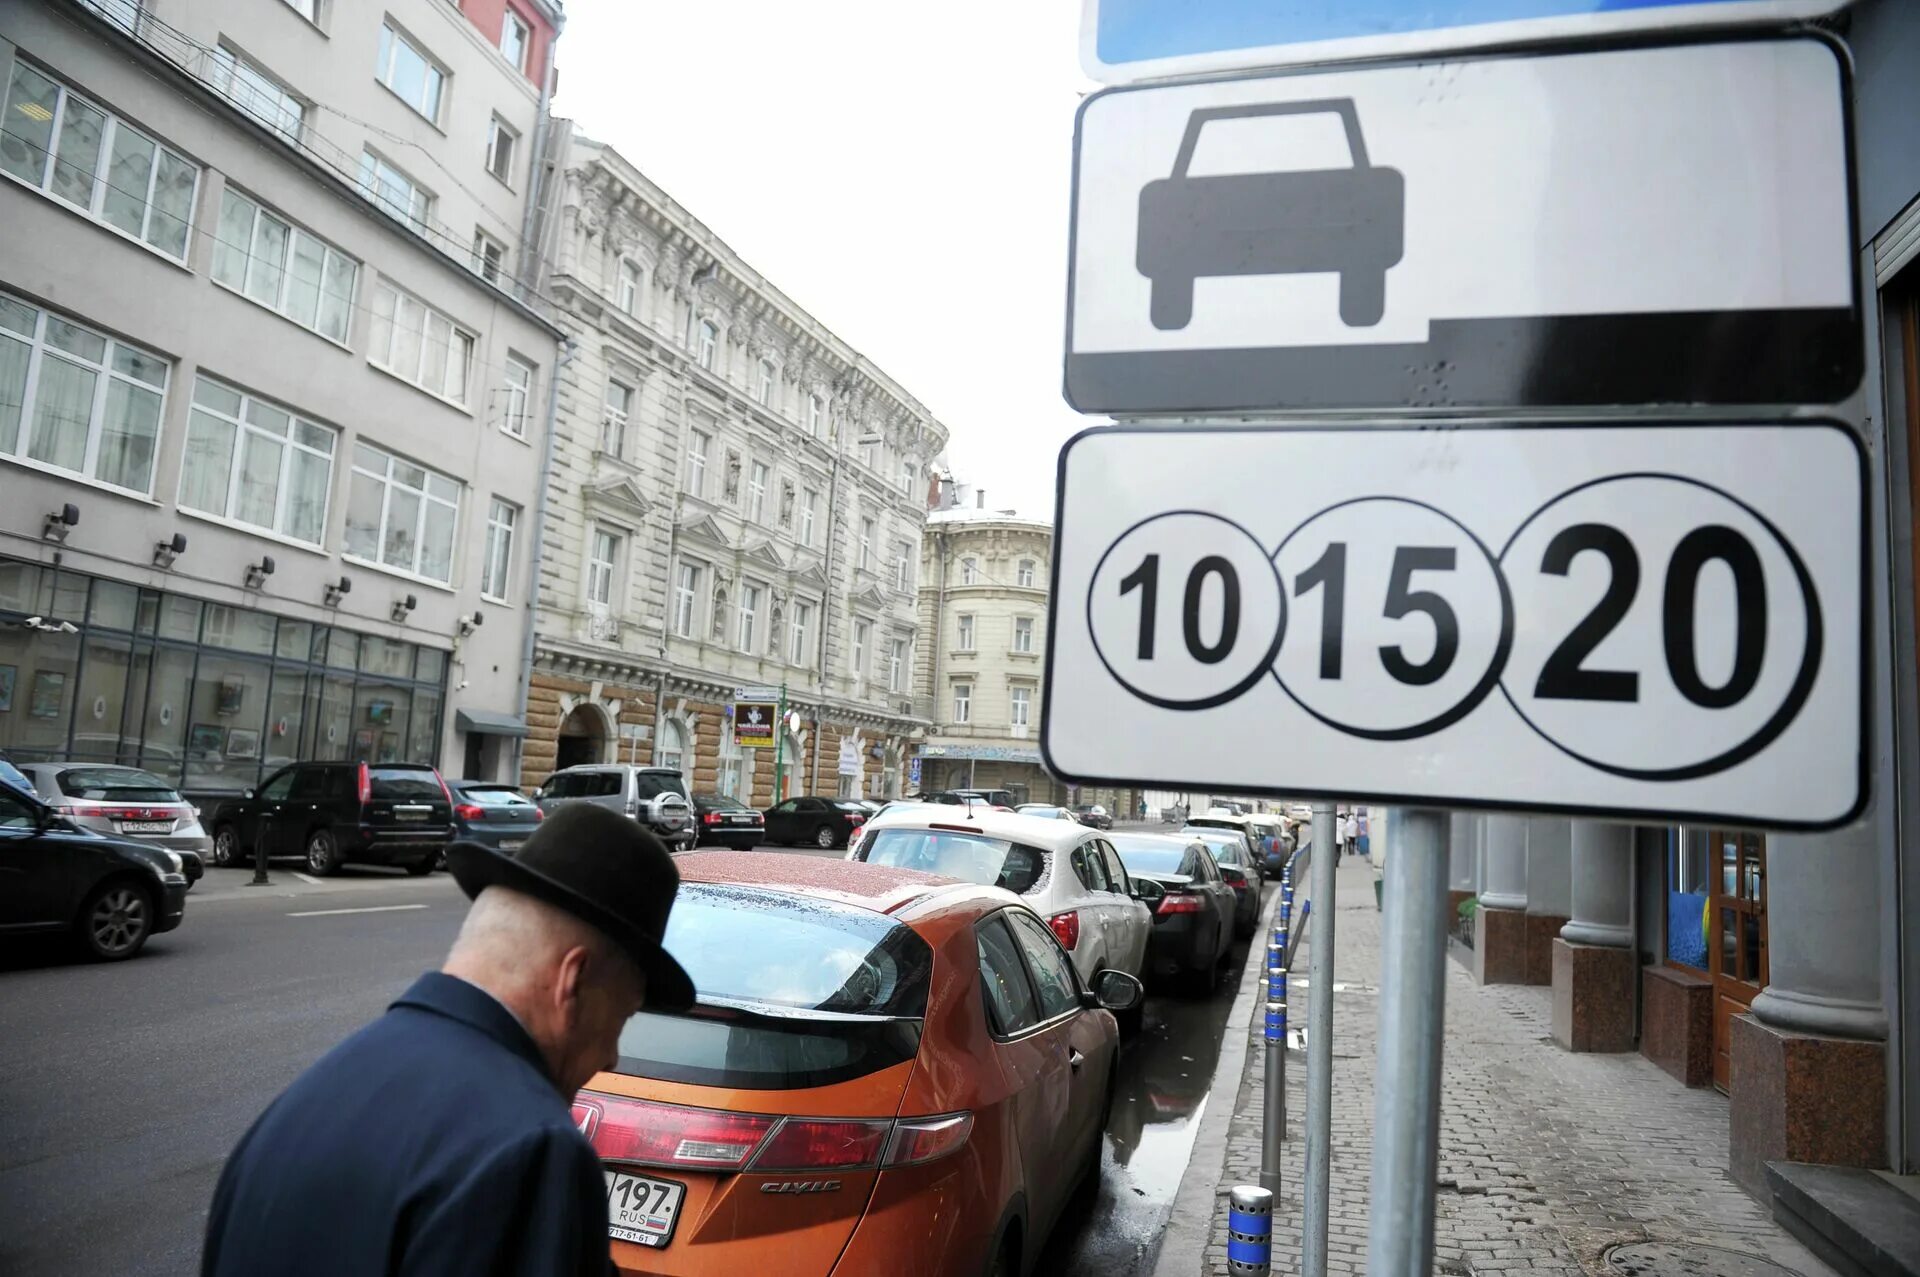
[886, 1072]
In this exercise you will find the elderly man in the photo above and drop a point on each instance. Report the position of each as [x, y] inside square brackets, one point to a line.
[439, 1139]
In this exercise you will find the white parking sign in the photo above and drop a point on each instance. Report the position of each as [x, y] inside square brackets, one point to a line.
[1643, 621]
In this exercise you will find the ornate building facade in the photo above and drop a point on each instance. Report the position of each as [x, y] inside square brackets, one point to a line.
[736, 501]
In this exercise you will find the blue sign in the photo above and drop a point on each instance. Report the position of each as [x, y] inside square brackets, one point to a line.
[913, 771]
[1126, 40]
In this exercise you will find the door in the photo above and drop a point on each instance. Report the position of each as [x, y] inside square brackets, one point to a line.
[1036, 1075]
[1077, 1052]
[1220, 898]
[299, 811]
[1095, 946]
[783, 821]
[272, 828]
[37, 880]
[1736, 937]
[1133, 919]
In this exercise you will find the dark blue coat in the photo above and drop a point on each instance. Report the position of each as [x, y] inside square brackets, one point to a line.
[430, 1142]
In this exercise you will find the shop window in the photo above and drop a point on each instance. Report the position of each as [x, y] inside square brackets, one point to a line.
[1688, 889]
[225, 716]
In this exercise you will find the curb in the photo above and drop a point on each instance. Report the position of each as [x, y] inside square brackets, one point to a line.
[1183, 1243]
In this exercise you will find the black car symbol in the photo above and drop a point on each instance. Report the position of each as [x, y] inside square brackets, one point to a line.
[1346, 220]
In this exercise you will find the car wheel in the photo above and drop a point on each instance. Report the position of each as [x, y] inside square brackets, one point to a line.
[1205, 978]
[116, 921]
[1006, 1261]
[323, 856]
[1171, 303]
[423, 866]
[1363, 298]
[824, 839]
[226, 846]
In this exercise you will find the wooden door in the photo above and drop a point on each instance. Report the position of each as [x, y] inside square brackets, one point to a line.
[1736, 936]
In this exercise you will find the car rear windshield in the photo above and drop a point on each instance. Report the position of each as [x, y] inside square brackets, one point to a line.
[494, 797]
[720, 802]
[993, 862]
[793, 991]
[1226, 851]
[405, 783]
[1151, 860]
[650, 785]
[116, 785]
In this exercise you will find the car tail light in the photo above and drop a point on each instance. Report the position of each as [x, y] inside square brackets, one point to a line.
[805, 1144]
[925, 1139]
[1233, 876]
[366, 785]
[470, 811]
[711, 818]
[539, 813]
[856, 820]
[1067, 927]
[669, 1135]
[1179, 902]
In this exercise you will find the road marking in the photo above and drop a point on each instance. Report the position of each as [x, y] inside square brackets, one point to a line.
[303, 878]
[328, 913]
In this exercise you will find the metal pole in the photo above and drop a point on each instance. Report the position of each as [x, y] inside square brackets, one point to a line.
[1413, 986]
[1319, 1045]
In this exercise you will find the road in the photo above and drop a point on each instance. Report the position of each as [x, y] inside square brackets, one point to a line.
[123, 1087]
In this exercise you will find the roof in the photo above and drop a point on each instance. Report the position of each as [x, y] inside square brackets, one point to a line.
[1136, 836]
[882, 888]
[972, 514]
[1044, 832]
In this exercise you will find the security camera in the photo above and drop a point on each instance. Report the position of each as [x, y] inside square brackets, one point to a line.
[60, 522]
[165, 552]
[403, 607]
[461, 686]
[335, 590]
[257, 573]
[34, 622]
[468, 624]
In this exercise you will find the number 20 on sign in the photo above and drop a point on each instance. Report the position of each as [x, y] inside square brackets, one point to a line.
[1645, 620]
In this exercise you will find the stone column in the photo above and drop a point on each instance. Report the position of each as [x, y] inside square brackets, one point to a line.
[1462, 867]
[1809, 1069]
[1549, 891]
[1593, 959]
[1500, 926]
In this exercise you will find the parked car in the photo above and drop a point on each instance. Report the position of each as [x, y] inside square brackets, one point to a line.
[966, 797]
[1234, 855]
[334, 814]
[109, 893]
[1193, 921]
[1047, 811]
[1067, 873]
[656, 797]
[111, 799]
[1095, 815]
[884, 1072]
[720, 821]
[1267, 834]
[825, 822]
[496, 814]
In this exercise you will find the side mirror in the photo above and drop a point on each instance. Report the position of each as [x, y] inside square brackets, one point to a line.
[1118, 991]
[1148, 892]
[247, 793]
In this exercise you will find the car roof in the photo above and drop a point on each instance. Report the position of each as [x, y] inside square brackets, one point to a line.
[1134, 839]
[881, 888]
[1044, 832]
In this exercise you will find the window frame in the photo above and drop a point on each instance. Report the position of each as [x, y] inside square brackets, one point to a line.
[498, 129]
[420, 198]
[759, 476]
[687, 580]
[231, 63]
[490, 267]
[600, 572]
[497, 550]
[290, 445]
[456, 333]
[896, 665]
[281, 303]
[867, 527]
[699, 454]
[962, 702]
[426, 497]
[1024, 575]
[862, 640]
[522, 394]
[970, 570]
[1020, 706]
[903, 568]
[748, 632]
[816, 412]
[435, 76]
[1023, 635]
[615, 420]
[966, 635]
[512, 21]
[769, 380]
[706, 343]
[629, 286]
[809, 515]
[799, 625]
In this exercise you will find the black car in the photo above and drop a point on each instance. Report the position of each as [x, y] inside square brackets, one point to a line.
[825, 822]
[1094, 816]
[493, 814]
[333, 814]
[109, 893]
[1193, 921]
[1238, 867]
[720, 821]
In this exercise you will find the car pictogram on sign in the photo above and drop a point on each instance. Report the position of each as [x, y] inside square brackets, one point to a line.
[1350, 221]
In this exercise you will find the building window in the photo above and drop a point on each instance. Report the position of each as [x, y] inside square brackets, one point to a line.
[757, 492]
[396, 193]
[1024, 574]
[906, 477]
[414, 77]
[903, 567]
[627, 291]
[962, 702]
[964, 641]
[749, 616]
[401, 515]
[708, 343]
[897, 666]
[816, 409]
[515, 38]
[105, 167]
[601, 558]
[308, 9]
[1023, 634]
[862, 631]
[496, 569]
[686, 600]
[765, 393]
[516, 394]
[418, 344]
[256, 93]
[613, 421]
[501, 142]
[797, 630]
[673, 746]
[729, 777]
[489, 256]
[269, 260]
[699, 443]
[866, 544]
[1022, 707]
[257, 464]
[808, 510]
[78, 401]
[969, 571]
[870, 455]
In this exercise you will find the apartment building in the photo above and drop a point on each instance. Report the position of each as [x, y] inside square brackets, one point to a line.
[736, 501]
[271, 420]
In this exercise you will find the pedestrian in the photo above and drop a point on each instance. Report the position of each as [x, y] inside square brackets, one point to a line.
[439, 1139]
[1350, 831]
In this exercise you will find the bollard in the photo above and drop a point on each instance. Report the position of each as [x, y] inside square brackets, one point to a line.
[1249, 1230]
[260, 878]
[1273, 1117]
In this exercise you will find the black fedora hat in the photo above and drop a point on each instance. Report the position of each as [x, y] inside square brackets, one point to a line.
[603, 869]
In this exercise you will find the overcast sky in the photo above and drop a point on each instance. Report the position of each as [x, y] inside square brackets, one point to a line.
[898, 168]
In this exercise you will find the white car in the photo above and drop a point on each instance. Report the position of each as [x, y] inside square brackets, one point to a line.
[1069, 873]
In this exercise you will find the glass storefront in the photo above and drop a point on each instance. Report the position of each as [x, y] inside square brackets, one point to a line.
[209, 696]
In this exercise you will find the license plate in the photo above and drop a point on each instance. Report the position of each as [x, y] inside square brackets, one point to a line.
[642, 1210]
[511, 844]
[413, 813]
[146, 826]
[741, 820]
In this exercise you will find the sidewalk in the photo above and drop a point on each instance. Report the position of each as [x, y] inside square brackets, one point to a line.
[1547, 1159]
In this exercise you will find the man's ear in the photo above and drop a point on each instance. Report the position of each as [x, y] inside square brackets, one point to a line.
[570, 981]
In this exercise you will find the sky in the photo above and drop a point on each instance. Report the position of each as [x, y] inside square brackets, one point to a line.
[901, 174]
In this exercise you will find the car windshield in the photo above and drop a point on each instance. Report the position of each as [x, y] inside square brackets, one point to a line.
[992, 862]
[404, 782]
[494, 796]
[116, 784]
[1151, 860]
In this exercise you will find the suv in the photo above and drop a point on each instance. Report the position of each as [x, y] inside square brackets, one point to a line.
[654, 796]
[333, 814]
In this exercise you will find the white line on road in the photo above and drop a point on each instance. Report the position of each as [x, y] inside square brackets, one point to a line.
[310, 881]
[328, 913]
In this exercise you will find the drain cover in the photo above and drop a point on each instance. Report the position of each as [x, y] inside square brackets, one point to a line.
[1665, 1259]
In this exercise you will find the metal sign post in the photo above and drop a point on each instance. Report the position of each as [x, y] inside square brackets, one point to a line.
[1320, 1044]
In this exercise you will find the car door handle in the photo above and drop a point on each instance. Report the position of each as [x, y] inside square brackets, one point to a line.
[1075, 1059]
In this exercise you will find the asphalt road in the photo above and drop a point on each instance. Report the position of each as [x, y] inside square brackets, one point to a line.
[123, 1087]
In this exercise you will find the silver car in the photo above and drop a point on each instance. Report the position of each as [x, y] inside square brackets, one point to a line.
[654, 796]
[109, 798]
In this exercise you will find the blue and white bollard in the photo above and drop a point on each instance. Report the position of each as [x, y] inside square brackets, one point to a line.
[1249, 1230]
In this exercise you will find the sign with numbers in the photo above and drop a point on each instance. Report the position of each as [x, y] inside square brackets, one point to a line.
[753, 723]
[1660, 621]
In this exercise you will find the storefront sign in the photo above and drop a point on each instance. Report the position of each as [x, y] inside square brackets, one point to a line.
[849, 757]
[754, 723]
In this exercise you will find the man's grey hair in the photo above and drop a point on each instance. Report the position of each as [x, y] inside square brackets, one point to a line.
[515, 937]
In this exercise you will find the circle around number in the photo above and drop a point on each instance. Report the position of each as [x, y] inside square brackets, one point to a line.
[1214, 699]
[1797, 693]
[1468, 703]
